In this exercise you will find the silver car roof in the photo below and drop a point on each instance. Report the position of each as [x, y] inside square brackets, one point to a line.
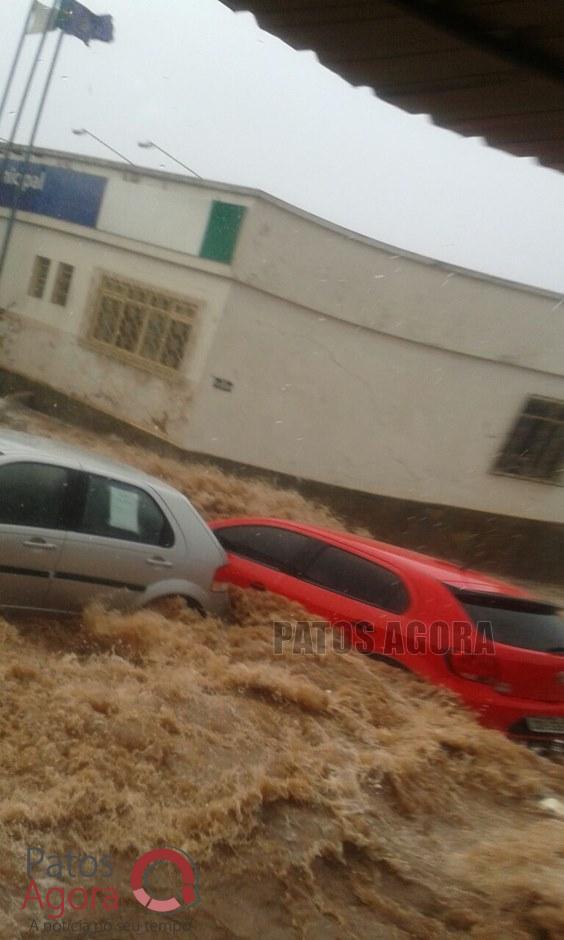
[18, 443]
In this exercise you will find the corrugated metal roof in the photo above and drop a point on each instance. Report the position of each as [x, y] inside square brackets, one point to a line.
[483, 68]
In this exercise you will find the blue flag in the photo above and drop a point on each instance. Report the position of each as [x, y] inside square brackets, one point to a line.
[76, 20]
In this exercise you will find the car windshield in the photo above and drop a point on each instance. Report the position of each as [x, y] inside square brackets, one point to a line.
[529, 625]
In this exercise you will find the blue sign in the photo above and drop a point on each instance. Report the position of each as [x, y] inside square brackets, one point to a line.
[54, 191]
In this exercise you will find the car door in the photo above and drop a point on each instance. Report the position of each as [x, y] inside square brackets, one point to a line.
[346, 588]
[32, 505]
[121, 537]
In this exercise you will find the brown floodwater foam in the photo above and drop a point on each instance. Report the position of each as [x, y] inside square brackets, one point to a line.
[321, 795]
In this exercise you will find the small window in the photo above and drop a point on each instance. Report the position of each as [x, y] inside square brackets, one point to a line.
[358, 578]
[39, 276]
[32, 494]
[269, 545]
[62, 284]
[120, 511]
[534, 448]
[146, 325]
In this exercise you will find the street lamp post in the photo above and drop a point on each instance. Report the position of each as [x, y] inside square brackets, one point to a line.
[151, 145]
[83, 132]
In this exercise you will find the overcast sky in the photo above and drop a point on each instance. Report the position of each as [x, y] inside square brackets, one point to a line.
[239, 106]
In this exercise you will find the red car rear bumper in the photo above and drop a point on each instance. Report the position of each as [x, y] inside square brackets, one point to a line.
[509, 715]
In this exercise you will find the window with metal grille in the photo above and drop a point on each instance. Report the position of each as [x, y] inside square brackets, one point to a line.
[535, 446]
[143, 324]
[62, 284]
[39, 276]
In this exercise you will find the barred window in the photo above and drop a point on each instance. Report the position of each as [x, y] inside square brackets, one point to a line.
[62, 284]
[535, 445]
[146, 325]
[39, 277]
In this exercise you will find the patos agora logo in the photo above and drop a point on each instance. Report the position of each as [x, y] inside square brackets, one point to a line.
[95, 890]
[145, 863]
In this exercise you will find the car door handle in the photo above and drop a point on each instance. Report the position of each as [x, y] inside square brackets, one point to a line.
[157, 562]
[257, 586]
[41, 544]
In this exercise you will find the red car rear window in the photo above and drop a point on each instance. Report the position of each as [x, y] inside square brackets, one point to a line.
[518, 622]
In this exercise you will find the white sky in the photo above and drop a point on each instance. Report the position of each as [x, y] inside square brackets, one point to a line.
[239, 106]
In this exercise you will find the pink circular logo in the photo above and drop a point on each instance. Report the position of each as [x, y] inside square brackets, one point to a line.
[189, 880]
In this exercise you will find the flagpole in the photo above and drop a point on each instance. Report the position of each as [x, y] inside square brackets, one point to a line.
[15, 62]
[27, 155]
[9, 143]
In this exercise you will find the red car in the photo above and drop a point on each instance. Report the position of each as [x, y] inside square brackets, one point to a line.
[501, 650]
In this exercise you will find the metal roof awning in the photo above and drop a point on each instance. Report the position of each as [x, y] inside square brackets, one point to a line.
[482, 68]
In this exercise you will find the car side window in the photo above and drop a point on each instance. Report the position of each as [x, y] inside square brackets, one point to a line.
[32, 494]
[269, 545]
[356, 577]
[120, 511]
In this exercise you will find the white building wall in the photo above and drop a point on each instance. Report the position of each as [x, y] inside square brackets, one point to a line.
[351, 364]
[157, 209]
[155, 212]
[290, 255]
[336, 403]
[50, 344]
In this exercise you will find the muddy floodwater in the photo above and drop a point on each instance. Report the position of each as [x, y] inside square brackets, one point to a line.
[320, 795]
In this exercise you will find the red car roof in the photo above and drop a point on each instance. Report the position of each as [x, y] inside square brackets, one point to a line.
[437, 568]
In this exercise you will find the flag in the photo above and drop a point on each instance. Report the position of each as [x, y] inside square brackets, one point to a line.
[41, 19]
[76, 20]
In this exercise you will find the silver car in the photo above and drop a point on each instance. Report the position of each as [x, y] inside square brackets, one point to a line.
[74, 526]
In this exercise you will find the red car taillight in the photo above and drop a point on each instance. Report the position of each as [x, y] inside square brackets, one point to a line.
[220, 579]
[478, 667]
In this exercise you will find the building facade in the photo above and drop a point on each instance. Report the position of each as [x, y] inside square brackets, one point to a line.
[238, 327]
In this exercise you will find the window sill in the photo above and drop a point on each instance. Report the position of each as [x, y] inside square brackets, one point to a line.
[172, 376]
